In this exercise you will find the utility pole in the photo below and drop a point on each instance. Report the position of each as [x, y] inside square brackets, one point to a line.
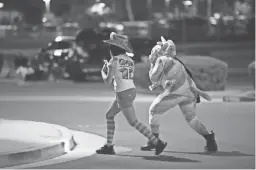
[114, 6]
[150, 10]
[129, 10]
[209, 12]
[167, 7]
[195, 8]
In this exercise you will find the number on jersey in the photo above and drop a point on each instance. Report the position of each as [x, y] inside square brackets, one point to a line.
[126, 69]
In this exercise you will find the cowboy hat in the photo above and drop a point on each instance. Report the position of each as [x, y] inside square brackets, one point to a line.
[121, 41]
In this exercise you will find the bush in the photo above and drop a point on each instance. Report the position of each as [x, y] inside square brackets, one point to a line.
[10, 62]
[251, 68]
[209, 74]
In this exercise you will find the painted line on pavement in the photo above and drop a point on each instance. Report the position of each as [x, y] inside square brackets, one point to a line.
[143, 99]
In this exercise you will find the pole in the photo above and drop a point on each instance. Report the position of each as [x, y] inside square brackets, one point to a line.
[167, 7]
[47, 6]
[209, 12]
[184, 29]
[114, 6]
[184, 34]
[195, 8]
[150, 11]
[129, 10]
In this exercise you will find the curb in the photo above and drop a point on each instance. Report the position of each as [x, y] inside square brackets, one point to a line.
[248, 96]
[87, 144]
[227, 96]
[60, 147]
[237, 99]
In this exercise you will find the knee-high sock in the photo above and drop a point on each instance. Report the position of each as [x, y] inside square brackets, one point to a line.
[198, 126]
[145, 131]
[154, 129]
[110, 131]
[154, 122]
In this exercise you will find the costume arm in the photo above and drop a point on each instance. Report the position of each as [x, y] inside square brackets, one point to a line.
[156, 71]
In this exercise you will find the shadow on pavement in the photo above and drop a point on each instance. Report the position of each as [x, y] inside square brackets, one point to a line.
[220, 153]
[164, 158]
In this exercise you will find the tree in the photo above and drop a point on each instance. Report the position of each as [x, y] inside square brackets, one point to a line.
[61, 9]
[129, 10]
[33, 15]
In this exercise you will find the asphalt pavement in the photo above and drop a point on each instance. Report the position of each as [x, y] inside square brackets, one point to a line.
[233, 123]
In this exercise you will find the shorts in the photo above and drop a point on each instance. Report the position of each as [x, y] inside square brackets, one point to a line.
[125, 98]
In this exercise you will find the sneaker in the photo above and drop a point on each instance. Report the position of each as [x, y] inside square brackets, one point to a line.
[211, 145]
[148, 147]
[109, 150]
[160, 146]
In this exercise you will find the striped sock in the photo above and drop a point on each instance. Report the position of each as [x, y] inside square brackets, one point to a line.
[154, 129]
[110, 131]
[145, 131]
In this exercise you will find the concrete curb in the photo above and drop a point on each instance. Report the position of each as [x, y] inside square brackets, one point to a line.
[225, 96]
[237, 99]
[87, 144]
[58, 148]
[246, 97]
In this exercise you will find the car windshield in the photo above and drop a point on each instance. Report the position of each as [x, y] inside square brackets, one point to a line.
[59, 45]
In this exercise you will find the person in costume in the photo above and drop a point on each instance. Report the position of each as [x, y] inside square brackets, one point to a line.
[179, 89]
[119, 73]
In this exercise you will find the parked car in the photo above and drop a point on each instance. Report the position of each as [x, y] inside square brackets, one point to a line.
[78, 62]
[82, 56]
[58, 50]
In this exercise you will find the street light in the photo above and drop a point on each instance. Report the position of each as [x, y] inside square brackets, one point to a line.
[1, 5]
[187, 4]
[47, 5]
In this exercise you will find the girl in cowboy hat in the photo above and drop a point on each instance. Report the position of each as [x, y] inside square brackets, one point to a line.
[119, 72]
[179, 89]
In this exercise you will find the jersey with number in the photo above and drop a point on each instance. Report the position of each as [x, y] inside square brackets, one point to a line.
[124, 73]
[175, 72]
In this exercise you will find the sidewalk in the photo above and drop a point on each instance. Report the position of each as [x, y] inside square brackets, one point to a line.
[23, 142]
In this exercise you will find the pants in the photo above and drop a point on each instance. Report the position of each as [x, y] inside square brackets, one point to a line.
[165, 101]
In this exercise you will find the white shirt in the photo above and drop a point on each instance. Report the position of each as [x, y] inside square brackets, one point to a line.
[123, 73]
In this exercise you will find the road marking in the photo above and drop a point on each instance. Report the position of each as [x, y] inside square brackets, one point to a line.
[87, 144]
[141, 99]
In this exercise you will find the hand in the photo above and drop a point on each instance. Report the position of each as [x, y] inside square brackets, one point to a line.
[105, 61]
[112, 62]
[105, 67]
[154, 86]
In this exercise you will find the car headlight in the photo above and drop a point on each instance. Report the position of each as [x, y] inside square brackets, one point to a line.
[57, 53]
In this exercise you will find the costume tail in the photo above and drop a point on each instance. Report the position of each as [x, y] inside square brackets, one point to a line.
[201, 93]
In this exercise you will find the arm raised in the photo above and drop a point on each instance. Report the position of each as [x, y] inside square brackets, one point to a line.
[156, 70]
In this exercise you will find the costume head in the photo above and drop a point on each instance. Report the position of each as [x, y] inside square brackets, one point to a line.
[157, 51]
[168, 48]
[120, 41]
